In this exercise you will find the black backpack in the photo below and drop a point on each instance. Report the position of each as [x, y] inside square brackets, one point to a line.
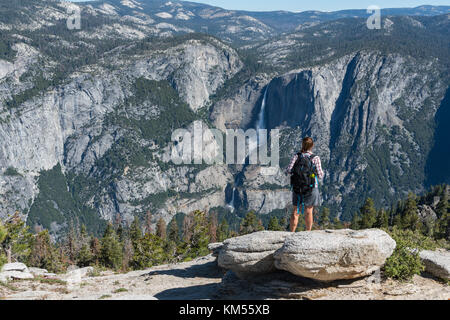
[303, 175]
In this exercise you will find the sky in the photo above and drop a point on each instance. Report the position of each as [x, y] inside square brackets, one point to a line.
[320, 5]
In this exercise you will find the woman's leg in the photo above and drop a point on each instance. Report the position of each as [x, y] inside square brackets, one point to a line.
[294, 219]
[309, 218]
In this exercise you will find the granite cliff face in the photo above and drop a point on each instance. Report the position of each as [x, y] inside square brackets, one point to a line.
[86, 115]
[68, 126]
[360, 108]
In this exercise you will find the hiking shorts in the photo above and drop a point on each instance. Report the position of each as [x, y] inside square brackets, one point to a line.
[311, 200]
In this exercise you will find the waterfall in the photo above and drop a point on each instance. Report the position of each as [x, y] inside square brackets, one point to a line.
[261, 117]
[231, 203]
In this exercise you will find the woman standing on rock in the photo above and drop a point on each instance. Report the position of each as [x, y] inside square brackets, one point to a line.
[305, 170]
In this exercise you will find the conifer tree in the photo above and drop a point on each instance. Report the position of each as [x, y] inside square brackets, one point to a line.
[71, 243]
[149, 251]
[148, 222]
[85, 256]
[213, 225]
[43, 254]
[200, 235]
[95, 247]
[368, 214]
[16, 243]
[356, 222]
[442, 206]
[274, 224]
[135, 231]
[250, 224]
[161, 228]
[382, 219]
[223, 231]
[398, 220]
[410, 217]
[337, 223]
[111, 249]
[3, 234]
[173, 234]
[325, 218]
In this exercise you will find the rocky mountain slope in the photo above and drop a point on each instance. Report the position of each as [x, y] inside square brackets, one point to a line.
[86, 115]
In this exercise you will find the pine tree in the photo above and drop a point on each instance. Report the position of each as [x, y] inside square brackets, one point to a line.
[223, 231]
[213, 225]
[111, 249]
[274, 224]
[173, 234]
[283, 224]
[3, 234]
[442, 225]
[148, 251]
[337, 223]
[71, 245]
[135, 231]
[161, 228]
[85, 256]
[200, 236]
[368, 214]
[250, 224]
[95, 247]
[16, 243]
[43, 254]
[410, 217]
[128, 253]
[397, 220]
[301, 226]
[356, 222]
[325, 218]
[382, 219]
[442, 206]
[148, 223]
[188, 222]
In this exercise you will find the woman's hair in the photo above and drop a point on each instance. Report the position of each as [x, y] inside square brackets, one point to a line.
[307, 144]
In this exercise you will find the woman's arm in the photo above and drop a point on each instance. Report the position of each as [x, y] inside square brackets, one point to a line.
[318, 165]
[291, 165]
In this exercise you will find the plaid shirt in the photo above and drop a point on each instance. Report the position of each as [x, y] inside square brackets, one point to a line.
[316, 162]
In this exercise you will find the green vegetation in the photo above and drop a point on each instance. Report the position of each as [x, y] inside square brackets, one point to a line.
[56, 203]
[174, 113]
[6, 51]
[405, 261]
[10, 171]
[351, 35]
[14, 240]
[251, 224]
[411, 233]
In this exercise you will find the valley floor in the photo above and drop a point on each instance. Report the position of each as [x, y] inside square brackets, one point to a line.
[202, 279]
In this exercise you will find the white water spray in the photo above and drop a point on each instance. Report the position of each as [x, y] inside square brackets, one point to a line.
[231, 203]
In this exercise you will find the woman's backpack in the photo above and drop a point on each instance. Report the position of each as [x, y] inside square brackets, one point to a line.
[303, 176]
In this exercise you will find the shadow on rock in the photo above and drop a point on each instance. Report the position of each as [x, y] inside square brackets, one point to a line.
[201, 292]
[207, 270]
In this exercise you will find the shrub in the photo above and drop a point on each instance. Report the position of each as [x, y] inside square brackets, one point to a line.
[405, 262]
[3, 233]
